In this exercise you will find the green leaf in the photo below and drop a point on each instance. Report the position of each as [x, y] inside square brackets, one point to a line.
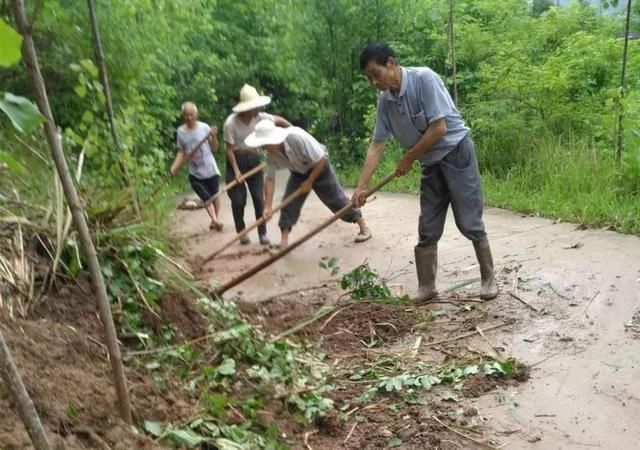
[90, 67]
[152, 365]
[226, 444]
[87, 117]
[228, 367]
[395, 442]
[11, 163]
[185, 437]
[153, 428]
[81, 90]
[23, 114]
[10, 42]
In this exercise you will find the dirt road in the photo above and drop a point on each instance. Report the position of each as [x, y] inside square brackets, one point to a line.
[582, 341]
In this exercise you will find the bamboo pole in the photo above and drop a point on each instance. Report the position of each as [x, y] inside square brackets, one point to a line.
[249, 273]
[37, 82]
[234, 183]
[285, 202]
[23, 402]
[104, 79]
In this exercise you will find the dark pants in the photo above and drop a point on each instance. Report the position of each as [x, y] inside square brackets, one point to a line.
[454, 180]
[205, 188]
[327, 188]
[238, 195]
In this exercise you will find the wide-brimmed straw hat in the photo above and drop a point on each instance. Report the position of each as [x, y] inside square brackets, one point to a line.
[266, 133]
[250, 99]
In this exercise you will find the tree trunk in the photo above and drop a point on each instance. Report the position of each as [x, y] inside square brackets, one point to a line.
[620, 127]
[88, 249]
[27, 412]
[104, 79]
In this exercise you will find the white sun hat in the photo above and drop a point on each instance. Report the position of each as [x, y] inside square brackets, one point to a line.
[250, 99]
[266, 133]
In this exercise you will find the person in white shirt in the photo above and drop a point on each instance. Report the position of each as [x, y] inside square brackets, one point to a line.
[204, 175]
[295, 149]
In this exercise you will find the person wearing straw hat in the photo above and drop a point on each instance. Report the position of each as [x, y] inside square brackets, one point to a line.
[204, 174]
[295, 149]
[415, 108]
[241, 158]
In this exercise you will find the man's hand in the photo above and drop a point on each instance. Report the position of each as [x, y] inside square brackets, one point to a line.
[404, 165]
[306, 186]
[238, 176]
[267, 214]
[358, 199]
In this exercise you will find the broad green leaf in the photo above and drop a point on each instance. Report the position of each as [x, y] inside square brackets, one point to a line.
[395, 442]
[226, 444]
[154, 428]
[152, 365]
[184, 437]
[11, 163]
[87, 117]
[81, 90]
[23, 114]
[10, 42]
[91, 68]
[228, 367]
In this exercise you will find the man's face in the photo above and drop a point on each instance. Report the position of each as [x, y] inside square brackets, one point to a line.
[249, 115]
[271, 147]
[190, 116]
[382, 76]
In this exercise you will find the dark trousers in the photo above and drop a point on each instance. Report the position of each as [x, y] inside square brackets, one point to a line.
[238, 195]
[454, 180]
[327, 188]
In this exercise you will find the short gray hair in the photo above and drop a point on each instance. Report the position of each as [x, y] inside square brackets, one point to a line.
[185, 105]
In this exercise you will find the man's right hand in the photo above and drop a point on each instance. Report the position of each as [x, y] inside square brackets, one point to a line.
[238, 177]
[358, 197]
[267, 214]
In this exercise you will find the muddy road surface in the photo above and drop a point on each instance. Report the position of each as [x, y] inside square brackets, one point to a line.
[574, 294]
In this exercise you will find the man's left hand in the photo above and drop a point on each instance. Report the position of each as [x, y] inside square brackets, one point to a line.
[404, 165]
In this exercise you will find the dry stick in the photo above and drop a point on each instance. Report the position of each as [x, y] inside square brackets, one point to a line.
[23, 402]
[290, 198]
[225, 287]
[480, 443]
[517, 297]
[295, 291]
[586, 310]
[104, 79]
[466, 335]
[353, 428]
[234, 183]
[37, 82]
[495, 349]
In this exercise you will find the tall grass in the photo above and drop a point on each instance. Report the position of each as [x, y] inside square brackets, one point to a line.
[560, 178]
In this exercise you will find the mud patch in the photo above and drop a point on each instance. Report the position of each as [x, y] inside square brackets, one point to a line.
[68, 375]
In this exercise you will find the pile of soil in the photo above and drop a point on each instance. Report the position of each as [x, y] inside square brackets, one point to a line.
[64, 366]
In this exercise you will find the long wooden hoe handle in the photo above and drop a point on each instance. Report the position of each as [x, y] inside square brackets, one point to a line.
[290, 198]
[249, 273]
[234, 183]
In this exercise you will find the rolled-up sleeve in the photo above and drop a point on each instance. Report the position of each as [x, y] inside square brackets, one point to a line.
[434, 97]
